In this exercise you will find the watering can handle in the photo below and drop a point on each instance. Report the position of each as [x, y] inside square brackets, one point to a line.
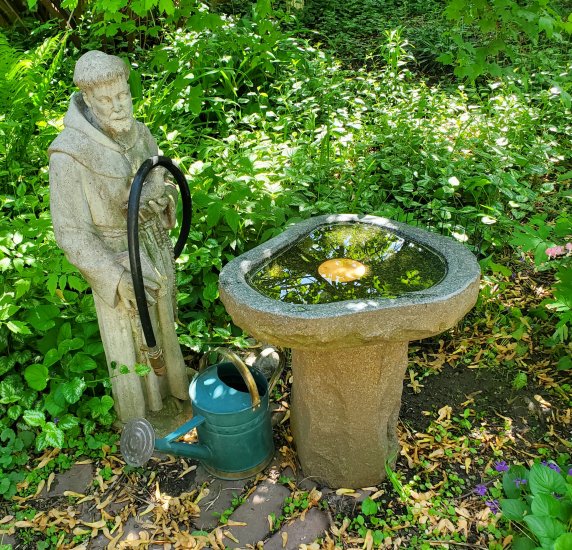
[244, 372]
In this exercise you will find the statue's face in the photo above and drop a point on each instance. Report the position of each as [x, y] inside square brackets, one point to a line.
[111, 105]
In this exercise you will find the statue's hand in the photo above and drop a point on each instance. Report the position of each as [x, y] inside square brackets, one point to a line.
[127, 294]
[154, 208]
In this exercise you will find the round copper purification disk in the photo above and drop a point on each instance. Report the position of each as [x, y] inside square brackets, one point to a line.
[342, 270]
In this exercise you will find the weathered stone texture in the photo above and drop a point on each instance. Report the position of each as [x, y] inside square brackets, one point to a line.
[345, 406]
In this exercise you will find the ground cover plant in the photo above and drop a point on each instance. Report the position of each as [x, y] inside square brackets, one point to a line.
[277, 114]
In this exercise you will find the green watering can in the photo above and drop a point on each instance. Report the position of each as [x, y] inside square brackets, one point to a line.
[232, 418]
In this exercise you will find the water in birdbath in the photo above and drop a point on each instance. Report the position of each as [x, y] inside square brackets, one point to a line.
[348, 261]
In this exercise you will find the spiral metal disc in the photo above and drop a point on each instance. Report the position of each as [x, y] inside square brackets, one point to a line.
[137, 442]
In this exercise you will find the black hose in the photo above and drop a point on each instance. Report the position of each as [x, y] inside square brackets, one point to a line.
[133, 234]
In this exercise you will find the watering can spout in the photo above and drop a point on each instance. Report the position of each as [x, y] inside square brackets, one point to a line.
[169, 443]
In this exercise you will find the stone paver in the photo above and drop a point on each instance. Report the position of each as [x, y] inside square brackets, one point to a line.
[77, 479]
[8, 540]
[290, 537]
[267, 499]
[219, 499]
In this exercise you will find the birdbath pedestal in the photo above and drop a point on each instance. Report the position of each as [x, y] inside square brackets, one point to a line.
[349, 341]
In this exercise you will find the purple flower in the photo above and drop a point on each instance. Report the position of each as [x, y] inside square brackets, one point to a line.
[481, 490]
[518, 481]
[493, 505]
[55, 419]
[552, 466]
[570, 472]
[501, 466]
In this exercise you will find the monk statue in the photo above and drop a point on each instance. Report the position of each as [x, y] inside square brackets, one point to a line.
[92, 164]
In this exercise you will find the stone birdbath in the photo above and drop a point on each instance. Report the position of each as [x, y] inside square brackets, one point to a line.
[348, 293]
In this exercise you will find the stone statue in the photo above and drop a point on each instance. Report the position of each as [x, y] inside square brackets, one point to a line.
[92, 164]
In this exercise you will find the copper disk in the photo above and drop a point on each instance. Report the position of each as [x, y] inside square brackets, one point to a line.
[342, 270]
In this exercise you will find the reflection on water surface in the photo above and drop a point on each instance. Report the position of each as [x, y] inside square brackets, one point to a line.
[393, 266]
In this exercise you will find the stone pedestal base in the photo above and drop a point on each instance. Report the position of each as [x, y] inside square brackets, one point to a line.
[344, 412]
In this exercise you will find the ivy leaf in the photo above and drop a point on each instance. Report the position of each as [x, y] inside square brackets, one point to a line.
[543, 479]
[34, 418]
[73, 390]
[37, 377]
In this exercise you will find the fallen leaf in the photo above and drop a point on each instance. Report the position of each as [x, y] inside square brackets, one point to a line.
[6, 519]
[284, 539]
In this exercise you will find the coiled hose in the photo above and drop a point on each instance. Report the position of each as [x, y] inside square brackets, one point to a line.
[154, 352]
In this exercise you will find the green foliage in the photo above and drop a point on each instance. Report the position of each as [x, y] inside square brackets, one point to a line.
[541, 237]
[490, 36]
[540, 502]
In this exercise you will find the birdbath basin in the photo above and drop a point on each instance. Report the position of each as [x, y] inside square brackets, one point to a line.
[347, 293]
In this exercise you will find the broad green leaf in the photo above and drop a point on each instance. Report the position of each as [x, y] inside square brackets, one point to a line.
[369, 507]
[43, 317]
[232, 219]
[67, 422]
[54, 437]
[73, 390]
[214, 212]
[53, 356]
[52, 283]
[523, 543]
[36, 376]
[543, 479]
[14, 412]
[563, 542]
[167, 6]
[107, 402]
[9, 393]
[511, 490]
[81, 363]
[565, 363]
[70, 345]
[514, 509]
[7, 434]
[18, 327]
[142, 370]
[22, 286]
[545, 527]
[65, 333]
[34, 418]
[544, 504]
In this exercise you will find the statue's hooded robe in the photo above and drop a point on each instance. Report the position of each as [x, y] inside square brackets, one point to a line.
[90, 180]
